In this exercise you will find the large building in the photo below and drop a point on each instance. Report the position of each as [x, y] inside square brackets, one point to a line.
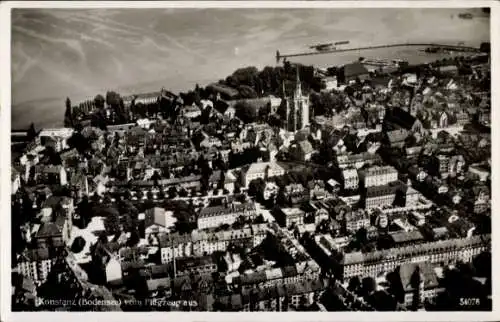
[212, 217]
[288, 216]
[356, 160]
[35, 264]
[353, 71]
[378, 176]
[261, 170]
[357, 219]
[419, 282]
[59, 136]
[380, 196]
[200, 243]
[351, 179]
[439, 252]
[197, 265]
[297, 109]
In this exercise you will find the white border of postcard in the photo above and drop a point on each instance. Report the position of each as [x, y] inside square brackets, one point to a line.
[5, 295]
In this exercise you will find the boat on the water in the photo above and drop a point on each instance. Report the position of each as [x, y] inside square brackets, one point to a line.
[466, 15]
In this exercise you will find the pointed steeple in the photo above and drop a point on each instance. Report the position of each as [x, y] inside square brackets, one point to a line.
[298, 89]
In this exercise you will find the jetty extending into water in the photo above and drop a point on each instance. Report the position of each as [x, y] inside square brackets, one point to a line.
[333, 51]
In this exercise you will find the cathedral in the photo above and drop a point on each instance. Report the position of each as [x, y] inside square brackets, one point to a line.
[297, 109]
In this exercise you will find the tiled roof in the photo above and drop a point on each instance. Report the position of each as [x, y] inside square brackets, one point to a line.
[377, 191]
[49, 229]
[169, 240]
[306, 147]
[407, 271]
[397, 135]
[225, 210]
[377, 170]
[35, 255]
[411, 236]
[358, 257]
[189, 262]
[260, 167]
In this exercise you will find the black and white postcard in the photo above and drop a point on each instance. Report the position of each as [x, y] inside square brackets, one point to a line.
[321, 160]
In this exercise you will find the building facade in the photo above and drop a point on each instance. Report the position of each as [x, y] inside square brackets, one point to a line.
[212, 217]
[378, 176]
[439, 252]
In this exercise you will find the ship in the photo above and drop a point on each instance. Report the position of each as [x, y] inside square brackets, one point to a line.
[329, 46]
[466, 15]
[323, 47]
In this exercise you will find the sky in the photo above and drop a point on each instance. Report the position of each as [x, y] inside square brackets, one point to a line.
[83, 52]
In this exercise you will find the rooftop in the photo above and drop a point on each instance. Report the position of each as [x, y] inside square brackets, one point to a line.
[260, 167]
[408, 271]
[404, 237]
[232, 208]
[441, 245]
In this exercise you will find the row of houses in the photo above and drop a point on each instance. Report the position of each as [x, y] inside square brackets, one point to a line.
[438, 252]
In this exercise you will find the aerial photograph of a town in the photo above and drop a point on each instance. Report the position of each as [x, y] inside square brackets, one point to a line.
[243, 160]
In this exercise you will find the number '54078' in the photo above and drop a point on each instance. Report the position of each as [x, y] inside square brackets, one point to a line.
[469, 301]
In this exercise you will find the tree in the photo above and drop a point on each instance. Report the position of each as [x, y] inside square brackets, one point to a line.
[368, 285]
[259, 219]
[485, 47]
[112, 99]
[99, 101]
[31, 131]
[264, 112]
[256, 186]
[246, 112]
[112, 221]
[68, 115]
[172, 192]
[237, 187]
[221, 180]
[247, 92]
[354, 284]
[361, 236]
[156, 177]
[78, 245]
[134, 238]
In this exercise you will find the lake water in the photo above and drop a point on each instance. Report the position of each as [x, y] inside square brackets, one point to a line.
[80, 53]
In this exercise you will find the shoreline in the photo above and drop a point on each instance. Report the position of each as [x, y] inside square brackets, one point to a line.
[47, 105]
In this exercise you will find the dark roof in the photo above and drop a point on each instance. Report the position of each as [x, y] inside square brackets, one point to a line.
[157, 283]
[403, 237]
[190, 262]
[408, 271]
[377, 191]
[305, 287]
[49, 229]
[402, 118]
[225, 210]
[397, 135]
[355, 69]
[36, 255]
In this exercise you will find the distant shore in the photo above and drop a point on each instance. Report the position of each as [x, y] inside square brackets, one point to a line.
[52, 109]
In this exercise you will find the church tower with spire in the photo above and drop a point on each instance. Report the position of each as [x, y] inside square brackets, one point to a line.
[297, 108]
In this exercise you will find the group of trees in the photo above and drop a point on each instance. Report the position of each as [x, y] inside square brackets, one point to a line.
[248, 156]
[118, 113]
[252, 83]
[327, 103]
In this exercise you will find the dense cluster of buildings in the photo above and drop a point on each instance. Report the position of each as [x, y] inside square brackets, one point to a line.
[229, 216]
